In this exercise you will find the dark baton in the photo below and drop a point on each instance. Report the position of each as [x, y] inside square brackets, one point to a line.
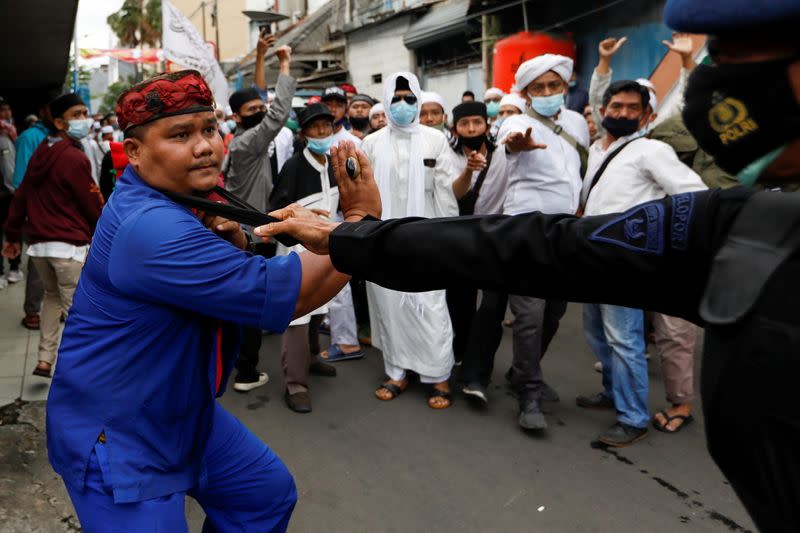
[352, 167]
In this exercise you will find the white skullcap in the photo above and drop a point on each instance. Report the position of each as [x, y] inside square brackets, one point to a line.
[377, 108]
[533, 68]
[96, 125]
[515, 100]
[106, 129]
[493, 92]
[432, 98]
[647, 84]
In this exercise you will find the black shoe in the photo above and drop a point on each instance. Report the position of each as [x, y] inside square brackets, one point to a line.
[595, 401]
[318, 368]
[549, 394]
[476, 391]
[531, 416]
[620, 435]
[299, 402]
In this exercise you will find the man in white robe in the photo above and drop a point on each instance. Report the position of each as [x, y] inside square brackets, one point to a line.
[415, 169]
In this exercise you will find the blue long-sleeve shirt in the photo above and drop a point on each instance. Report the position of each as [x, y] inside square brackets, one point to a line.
[27, 143]
[138, 358]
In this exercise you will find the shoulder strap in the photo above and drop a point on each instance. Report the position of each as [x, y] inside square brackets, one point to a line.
[583, 153]
[764, 235]
[604, 166]
[237, 210]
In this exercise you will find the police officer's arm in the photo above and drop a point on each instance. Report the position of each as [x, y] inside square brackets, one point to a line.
[655, 257]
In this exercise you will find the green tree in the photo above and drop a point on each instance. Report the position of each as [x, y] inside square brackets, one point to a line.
[137, 23]
[112, 94]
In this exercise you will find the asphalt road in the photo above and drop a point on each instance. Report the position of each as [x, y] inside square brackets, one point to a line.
[362, 465]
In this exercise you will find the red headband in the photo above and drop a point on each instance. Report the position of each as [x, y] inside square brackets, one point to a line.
[165, 95]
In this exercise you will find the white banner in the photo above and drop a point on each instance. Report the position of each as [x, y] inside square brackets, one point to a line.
[183, 45]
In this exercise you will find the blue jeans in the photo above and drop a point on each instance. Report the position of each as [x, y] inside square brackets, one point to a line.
[616, 336]
[247, 488]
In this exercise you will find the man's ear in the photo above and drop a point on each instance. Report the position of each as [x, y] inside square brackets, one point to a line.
[60, 124]
[237, 119]
[133, 149]
[602, 111]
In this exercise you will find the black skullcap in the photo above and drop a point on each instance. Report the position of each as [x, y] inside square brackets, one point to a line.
[241, 97]
[469, 109]
[363, 98]
[401, 84]
[60, 105]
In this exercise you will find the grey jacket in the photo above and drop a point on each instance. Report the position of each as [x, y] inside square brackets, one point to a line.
[248, 174]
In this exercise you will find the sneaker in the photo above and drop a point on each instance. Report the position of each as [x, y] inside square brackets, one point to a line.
[620, 435]
[531, 416]
[15, 276]
[476, 390]
[3, 282]
[595, 401]
[598, 367]
[241, 385]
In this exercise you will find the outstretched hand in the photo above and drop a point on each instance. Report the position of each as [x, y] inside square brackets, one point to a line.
[682, 45]
[358, 197]
[522, 142]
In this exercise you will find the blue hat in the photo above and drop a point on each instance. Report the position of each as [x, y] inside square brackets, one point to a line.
[722, 16]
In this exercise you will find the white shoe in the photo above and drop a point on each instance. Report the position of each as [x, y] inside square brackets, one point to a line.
[598, 366]
[244, 386]
[15, 276]
[3, 282]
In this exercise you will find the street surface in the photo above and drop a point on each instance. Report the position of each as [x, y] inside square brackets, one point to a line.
[362, 465]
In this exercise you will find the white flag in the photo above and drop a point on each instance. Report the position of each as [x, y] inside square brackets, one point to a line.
[184, 46]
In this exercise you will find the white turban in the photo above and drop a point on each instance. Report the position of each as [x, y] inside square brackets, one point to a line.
[533, 68]
[515, 100]
[432, 98]
[374, 110]
[647, 84]
[493, 92]
[106, 129]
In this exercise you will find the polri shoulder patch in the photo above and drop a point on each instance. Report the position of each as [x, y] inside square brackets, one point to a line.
[639, 230]
[682, 211]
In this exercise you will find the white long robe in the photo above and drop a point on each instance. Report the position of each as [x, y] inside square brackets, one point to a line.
[415, 333]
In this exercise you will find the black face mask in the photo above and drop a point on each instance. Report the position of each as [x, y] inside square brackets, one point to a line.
[741, 112]
[621, 127]
[473, 143]
[359, 123]
[253, 120]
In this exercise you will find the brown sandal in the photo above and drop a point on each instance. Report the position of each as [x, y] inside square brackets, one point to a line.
[30, 322]
[436, 393]
[394, 391]
[43, 372]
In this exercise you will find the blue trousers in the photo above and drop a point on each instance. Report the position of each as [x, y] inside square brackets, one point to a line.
[247, 489]
[616, 336]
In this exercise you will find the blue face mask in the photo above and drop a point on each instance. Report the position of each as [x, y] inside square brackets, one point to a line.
[547, 106]
[231, 125]
[78, 129]
[321, 145]
[403, 113]
[492, 109]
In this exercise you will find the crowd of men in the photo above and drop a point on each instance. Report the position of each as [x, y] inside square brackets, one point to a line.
[544, 146]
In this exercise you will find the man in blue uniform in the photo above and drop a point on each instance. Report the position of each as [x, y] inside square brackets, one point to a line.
[728, 260]
[132, 421]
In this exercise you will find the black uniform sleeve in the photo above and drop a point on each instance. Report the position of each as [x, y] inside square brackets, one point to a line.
[656, 256]
[107, 176]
